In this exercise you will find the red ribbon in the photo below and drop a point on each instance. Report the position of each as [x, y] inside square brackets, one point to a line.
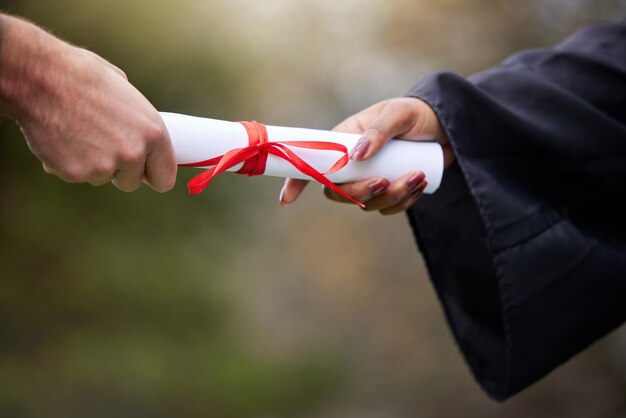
[254, 159]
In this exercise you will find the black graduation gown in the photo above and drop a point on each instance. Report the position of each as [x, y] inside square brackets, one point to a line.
[525, 241]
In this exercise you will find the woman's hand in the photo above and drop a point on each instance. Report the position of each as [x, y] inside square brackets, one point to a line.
[403, 118]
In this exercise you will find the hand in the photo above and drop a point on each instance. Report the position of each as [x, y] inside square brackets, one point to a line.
[404, 118]
[79, 114]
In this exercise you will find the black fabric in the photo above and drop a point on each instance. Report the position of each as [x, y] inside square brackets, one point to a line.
[525, 241]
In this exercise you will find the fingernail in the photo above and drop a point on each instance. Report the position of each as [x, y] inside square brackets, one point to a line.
[359, 150]
[377, 187]
[420, 189]
[414, 180]
[281, 198]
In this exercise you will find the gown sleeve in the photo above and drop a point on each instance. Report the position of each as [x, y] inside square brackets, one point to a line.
[525, 241]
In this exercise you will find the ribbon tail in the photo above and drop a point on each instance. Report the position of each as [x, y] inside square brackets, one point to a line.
[200, 182]
[285, 153]
[326, 182]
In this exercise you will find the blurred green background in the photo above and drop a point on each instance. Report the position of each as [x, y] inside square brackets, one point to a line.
[225, 304]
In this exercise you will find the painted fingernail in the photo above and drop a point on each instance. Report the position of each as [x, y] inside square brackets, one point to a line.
[414, 180]
[359, 150]
[377, 187]
[420, 188]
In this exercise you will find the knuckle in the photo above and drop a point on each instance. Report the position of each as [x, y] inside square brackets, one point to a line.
[101, 169]
[395, 196]
[72, 174]
[403, 105]
[376, 131]
[155, 132]
[132, 155]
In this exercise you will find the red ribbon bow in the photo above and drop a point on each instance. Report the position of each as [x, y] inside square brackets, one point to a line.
[254, 159]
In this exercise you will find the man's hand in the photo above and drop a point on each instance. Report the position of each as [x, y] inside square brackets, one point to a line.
[405, 118]
[79, 114]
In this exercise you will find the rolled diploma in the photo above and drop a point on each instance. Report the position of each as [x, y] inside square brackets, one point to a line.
[198, 139]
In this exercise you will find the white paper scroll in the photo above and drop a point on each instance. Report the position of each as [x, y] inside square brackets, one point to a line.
[198, 139]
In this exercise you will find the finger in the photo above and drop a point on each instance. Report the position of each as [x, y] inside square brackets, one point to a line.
[397, 192]
[356, 123]
[100, 181]
[128, 180]
[406, 118]
[407, 203]
[392, 121]
[351, 125]
[48, 169]
[362, 191]
[73, 176]
[77, 173]
[160, 170]
[100, 172]
[291, 190]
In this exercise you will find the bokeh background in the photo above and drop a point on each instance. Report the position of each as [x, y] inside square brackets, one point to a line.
[225, 304]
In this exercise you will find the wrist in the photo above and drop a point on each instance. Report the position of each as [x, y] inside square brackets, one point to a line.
[28, 56]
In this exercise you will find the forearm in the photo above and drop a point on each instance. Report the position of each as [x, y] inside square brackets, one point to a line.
[29, 58]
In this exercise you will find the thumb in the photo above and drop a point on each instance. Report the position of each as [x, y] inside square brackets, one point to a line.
[406, 118]
[291, 190]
